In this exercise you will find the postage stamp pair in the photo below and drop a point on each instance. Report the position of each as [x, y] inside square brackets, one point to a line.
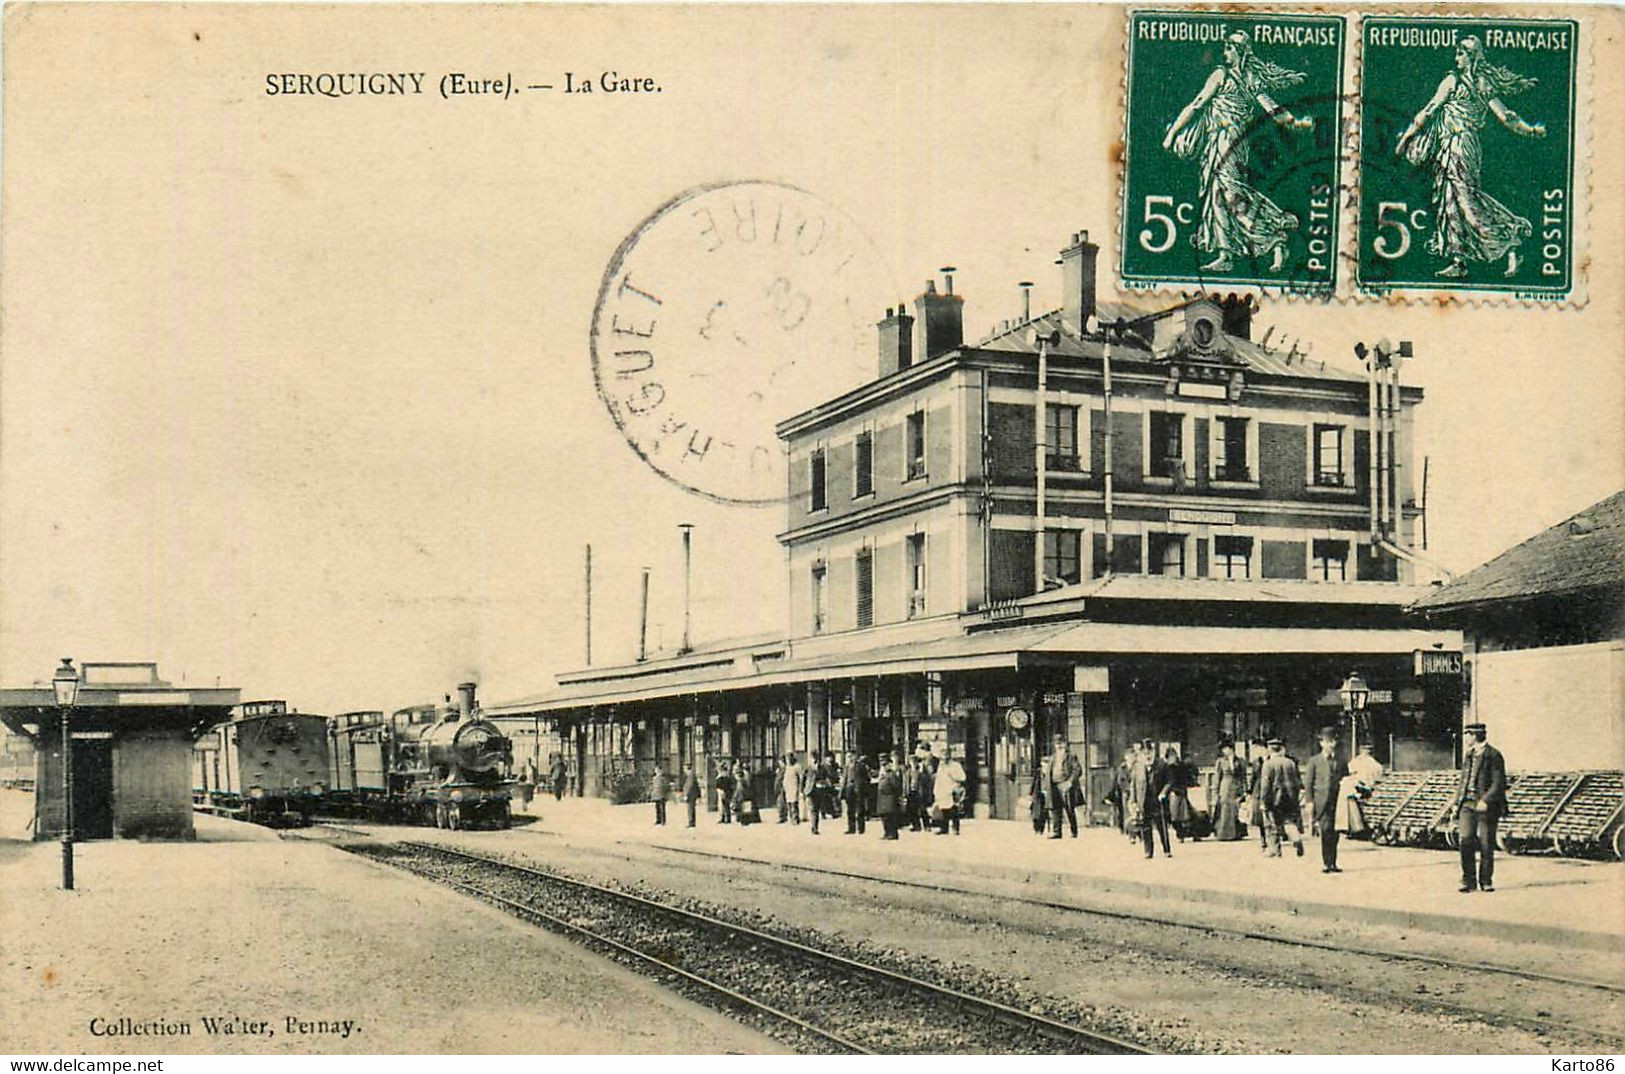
[1447, 166]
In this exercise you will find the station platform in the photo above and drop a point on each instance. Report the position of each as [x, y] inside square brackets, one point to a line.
[1549, 901]
[289, 946]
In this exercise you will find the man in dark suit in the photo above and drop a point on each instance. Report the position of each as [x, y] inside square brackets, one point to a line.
[1322, 778]
[1061, 774]
[889, 796]
[855, 793]
[691, 792]
[1149, 780]
[1483, 798]
[1279, 787]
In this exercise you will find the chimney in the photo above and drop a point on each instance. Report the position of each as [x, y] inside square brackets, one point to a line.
[465, 700]
[939, 319]
[896, 341]
[1238, 315]
[1078, 282]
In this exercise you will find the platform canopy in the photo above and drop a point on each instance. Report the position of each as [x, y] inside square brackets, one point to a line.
[1008, 647]
[116, 696]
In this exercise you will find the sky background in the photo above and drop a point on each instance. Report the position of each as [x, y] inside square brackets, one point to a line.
[295, 393]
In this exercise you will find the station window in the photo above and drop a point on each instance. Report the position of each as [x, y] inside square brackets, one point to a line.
[1167, 554]
[866, 588]
[817, 475]
[820, 599]
[916, 445]
[1329, 456]
[1061, 437]
[916, 575]
[1166, 449]
[1063, 557]
[1329, 560]
[1232, 461]
[1232, 557]
[863, 465]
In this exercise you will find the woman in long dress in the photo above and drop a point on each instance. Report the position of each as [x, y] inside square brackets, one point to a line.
[1468, 224]
[1229, 785]
[1237, 219]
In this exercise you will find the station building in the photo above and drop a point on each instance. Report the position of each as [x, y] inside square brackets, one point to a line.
[132, 736]
[1103, 521]
[1544, 647]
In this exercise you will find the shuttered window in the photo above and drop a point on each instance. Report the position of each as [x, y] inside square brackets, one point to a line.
[820, 496]
[866, 588]
[863, 465]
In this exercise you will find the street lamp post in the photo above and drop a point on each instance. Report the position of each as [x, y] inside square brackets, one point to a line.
[65, 684]
[1354, 693]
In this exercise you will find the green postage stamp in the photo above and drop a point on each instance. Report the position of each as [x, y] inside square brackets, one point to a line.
[1232, 162]
[1467, 156]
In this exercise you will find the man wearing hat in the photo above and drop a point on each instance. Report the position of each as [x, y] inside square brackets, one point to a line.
[1279, 787]
[1148, 781]
[1322, 778]
[1483, 798]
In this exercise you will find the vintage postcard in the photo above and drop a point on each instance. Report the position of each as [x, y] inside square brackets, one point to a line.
[902, 529]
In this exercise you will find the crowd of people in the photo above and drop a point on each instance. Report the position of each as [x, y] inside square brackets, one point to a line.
[1267, 795]
[920, 792]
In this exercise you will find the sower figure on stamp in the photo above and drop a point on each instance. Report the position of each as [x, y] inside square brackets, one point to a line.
[1237, 219]
[1469, 225]
[1323, 780]
[1483, 798]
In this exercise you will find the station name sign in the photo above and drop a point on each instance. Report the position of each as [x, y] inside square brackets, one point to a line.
[1201, 518]
[265, 708]
[1432, 662]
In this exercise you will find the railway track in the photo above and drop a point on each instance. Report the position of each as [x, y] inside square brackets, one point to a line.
[1543, 1024]
[1166, 922]
[811, 998]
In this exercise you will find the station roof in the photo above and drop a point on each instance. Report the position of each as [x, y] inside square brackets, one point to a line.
[1584, 551]
[1267, 591]
[121, 694]
[1258, 357]
[951, 648]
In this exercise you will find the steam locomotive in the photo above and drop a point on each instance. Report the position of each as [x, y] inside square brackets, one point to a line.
[425, 764]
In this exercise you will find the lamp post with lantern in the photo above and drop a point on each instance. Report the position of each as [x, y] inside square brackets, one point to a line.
[65, 684]
[1354, 693]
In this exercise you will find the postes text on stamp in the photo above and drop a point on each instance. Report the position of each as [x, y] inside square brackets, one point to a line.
[732, 307]
[1231, 153]
[1467, 156]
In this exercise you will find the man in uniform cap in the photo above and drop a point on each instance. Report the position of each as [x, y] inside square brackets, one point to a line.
[1483, 798]
[1279, 786]
[1322, 778]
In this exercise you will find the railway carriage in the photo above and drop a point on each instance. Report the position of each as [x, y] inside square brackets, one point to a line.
[265, 765]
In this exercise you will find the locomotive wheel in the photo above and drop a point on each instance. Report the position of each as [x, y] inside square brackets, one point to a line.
[1619, 843]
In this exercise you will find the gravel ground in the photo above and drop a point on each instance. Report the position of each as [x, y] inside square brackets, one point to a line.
[1194, 990]
[855, 1006]
[261, 930]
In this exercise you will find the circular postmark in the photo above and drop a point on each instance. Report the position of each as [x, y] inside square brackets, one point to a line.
[733, 306]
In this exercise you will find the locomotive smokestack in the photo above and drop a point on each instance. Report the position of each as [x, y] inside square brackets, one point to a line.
[465, 700]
